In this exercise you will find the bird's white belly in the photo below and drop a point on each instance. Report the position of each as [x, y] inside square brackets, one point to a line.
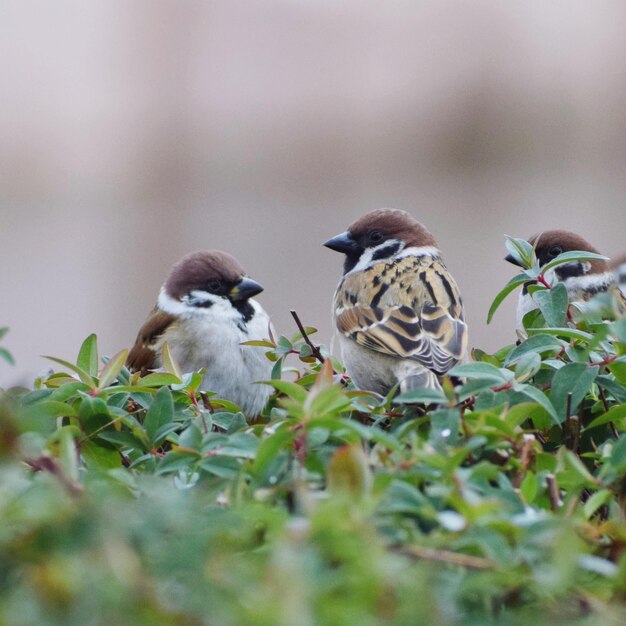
[378, 372]
[231, 369]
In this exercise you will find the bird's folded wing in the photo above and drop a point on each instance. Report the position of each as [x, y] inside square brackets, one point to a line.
[142, 356]
[620, 301]
[426, 323]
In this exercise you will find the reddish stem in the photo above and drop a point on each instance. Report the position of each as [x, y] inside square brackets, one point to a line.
[543, 281]
[609, 359]
[504, 387]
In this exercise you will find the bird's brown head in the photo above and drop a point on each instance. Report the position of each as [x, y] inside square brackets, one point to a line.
[549, 244]
[213, 272]
[393, 227]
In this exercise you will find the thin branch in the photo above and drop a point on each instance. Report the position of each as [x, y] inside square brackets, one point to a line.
[444, 556]
[568, 406]
[314, 349]
[553, 492]
[544, 282]
[48, 464]
[603, 398]
[206, 402]
[602, 395]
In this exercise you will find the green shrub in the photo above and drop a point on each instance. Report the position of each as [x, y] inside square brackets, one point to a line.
[138, 500]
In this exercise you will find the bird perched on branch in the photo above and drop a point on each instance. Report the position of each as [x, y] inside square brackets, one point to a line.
[583, 279]
[397, 309]
[204, 312]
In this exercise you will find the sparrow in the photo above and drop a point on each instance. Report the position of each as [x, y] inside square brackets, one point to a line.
[583, 279]
[618, 265]
[397, 309]
[205, 311]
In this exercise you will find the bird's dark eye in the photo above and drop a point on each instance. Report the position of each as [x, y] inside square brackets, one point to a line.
[215, 285]
[375, 236]
[554, 251]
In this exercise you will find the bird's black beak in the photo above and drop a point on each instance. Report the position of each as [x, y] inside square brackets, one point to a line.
[511, 259]
[245, 289]
[342, 243]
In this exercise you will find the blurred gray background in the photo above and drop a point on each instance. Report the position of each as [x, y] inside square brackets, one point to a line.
[134, 132]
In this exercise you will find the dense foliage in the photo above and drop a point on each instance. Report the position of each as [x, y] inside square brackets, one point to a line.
[138, 500]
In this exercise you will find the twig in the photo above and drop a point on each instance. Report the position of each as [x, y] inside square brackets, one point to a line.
[602, 395]
[206, 402]
[606, 361]
[544, 282]
[443, 556]
[572, 433]
[314, 349]
[48, 464]
[553, 492]
[603, 398]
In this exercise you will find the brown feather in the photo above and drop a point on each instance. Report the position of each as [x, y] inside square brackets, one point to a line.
[409, 308]
[198, 268]
[394, 223]
[569, 242]
[142, 356]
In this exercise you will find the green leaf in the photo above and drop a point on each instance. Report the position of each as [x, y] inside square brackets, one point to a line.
[97, 457]
[270, 448]
[68, 455]
[222, 466]
[82, 374]
[41, 416]
[161, 412]
[536, 395]
[293, 390]
[614, 414]
[618, 369]
[553, 304]
[159, 379]
[527, 366]
[537, 343]
[617, 390]
[348, 471]
[618, 454]
[258, 342]
[69, 390]
[240, 445]
[569, 333]
[111, 370]
[529, 487]
[618, 330]
[369, 433]
[421, 396]
[569, 257]
[3, 331]
[94, 414]
[124, 439]
[483, 371]
[88, 355]
[444, 427]
[598, 499]
[574, 379]
[169, 363]
[520, 250]
[7, 356]
[515, 282]
[277, 369]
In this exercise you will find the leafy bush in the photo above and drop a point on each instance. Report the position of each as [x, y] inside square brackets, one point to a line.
[138, 500]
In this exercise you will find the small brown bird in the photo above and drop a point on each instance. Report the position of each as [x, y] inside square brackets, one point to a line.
[618, 266]
[397, 308]
[205, 311]
[583, 279]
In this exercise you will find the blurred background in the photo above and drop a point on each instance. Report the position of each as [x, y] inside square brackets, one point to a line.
[134, 132]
